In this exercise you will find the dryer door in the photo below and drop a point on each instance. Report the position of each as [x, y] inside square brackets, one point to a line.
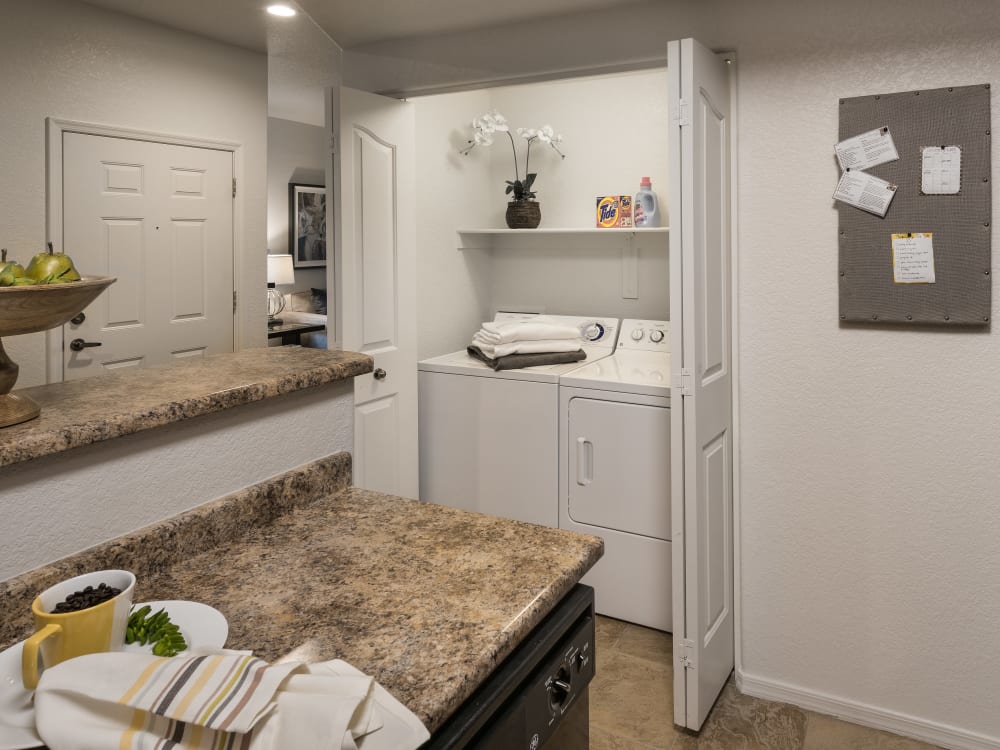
[619, 466]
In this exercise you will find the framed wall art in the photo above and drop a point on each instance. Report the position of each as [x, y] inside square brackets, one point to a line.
[307, 225]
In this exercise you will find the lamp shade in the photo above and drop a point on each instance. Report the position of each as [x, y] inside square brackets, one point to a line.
[279, 269]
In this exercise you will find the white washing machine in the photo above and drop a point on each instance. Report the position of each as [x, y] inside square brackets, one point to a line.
[615, 477]
[489, 440]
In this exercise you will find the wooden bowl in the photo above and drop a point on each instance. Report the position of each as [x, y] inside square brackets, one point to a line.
[29, 309]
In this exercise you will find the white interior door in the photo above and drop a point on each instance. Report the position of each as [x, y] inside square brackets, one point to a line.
[159, 217]
[701, 420]
[376, 285]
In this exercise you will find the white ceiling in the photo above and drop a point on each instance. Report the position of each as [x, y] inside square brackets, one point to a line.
[348, 22]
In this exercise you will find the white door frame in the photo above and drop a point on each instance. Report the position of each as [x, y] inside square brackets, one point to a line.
[54, 129]
[734, 299]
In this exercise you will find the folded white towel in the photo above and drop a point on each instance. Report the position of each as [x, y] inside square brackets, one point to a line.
[526, 347]
[532, 329]
[133, 700]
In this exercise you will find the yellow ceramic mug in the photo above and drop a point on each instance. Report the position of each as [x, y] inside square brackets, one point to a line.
[88, 631]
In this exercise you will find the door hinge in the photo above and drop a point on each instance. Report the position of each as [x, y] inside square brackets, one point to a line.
[684, 385]
[234, 187]
[686, 656]
[683, 116]
[234, 302]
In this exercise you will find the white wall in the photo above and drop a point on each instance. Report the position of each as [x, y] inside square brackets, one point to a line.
[296, 152]
[608, 148]
[869, 490]
[452, 191]
[613, 126]
[73, 61]
[869, 503]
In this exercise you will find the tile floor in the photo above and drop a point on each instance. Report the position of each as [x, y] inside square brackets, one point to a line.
[631, 705]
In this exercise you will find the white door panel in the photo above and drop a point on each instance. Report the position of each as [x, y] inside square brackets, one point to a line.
[473, 433]
[701, 424]
[376, 431]
[159, 217]
[619, 474]
[376, 287]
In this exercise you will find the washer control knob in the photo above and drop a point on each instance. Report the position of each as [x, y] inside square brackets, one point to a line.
[594, 332]
[656, 336]
[637, 334]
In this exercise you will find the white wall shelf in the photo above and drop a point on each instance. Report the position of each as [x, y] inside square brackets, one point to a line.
[627, 239]
[562, 230]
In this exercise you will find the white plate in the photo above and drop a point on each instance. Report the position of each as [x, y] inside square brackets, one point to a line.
[17, 715]
[202, 626]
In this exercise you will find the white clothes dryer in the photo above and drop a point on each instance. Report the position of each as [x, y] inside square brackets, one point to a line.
[489, 440]
[615, 477]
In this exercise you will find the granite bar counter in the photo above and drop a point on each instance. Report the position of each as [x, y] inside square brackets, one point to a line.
[113, 453]
[81, 412]
[427, 599]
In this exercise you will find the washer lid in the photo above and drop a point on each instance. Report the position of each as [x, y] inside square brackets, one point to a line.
[640, 372]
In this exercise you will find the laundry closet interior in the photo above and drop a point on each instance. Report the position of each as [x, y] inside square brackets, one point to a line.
[583, 446]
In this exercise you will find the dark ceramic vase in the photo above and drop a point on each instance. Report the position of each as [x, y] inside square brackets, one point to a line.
[523, 214]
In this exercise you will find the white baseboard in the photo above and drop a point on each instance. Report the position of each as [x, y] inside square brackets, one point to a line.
[944, 735]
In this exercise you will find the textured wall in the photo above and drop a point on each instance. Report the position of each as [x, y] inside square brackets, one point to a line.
[871, 568]
[70, 501]
[870, 516]
[73, 61]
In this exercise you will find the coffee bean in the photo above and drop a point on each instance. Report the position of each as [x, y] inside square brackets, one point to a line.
[89, 597]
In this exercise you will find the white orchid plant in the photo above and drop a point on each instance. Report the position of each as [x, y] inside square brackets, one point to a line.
[484, 129]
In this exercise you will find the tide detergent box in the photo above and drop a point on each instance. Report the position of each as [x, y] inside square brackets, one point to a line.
[614, 211]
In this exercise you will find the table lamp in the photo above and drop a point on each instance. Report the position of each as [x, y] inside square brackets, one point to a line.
[279, 271]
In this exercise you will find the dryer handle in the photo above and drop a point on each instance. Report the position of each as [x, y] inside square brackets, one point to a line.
[584, 461]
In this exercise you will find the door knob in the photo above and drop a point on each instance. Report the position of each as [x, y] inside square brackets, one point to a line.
[78, 319]
[78, 345]
[379, 373]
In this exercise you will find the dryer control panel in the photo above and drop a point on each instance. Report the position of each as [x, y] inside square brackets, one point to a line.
[645, 335]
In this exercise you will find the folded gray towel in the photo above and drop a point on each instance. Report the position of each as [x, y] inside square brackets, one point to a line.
[517, 361]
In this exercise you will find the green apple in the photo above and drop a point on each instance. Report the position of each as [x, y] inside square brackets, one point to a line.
[51, 268]
[12, 267]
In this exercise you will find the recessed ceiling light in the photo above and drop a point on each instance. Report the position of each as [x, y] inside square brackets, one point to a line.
[281, 10]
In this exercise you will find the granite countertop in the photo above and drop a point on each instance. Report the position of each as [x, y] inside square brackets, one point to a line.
[80, 412]
[427, 599]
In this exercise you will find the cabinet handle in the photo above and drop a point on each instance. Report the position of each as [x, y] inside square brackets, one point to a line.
[379, 374]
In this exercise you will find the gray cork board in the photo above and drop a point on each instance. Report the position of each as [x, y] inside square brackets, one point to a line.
[960, 223]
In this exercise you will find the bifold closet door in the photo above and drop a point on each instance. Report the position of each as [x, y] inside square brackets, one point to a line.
[700, 139]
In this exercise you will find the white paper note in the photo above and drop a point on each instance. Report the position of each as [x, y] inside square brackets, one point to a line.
[865, 191]
[913, 258]
[941, 170]
[866, 150]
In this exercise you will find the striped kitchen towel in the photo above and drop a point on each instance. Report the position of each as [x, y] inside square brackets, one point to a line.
[215, 701]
